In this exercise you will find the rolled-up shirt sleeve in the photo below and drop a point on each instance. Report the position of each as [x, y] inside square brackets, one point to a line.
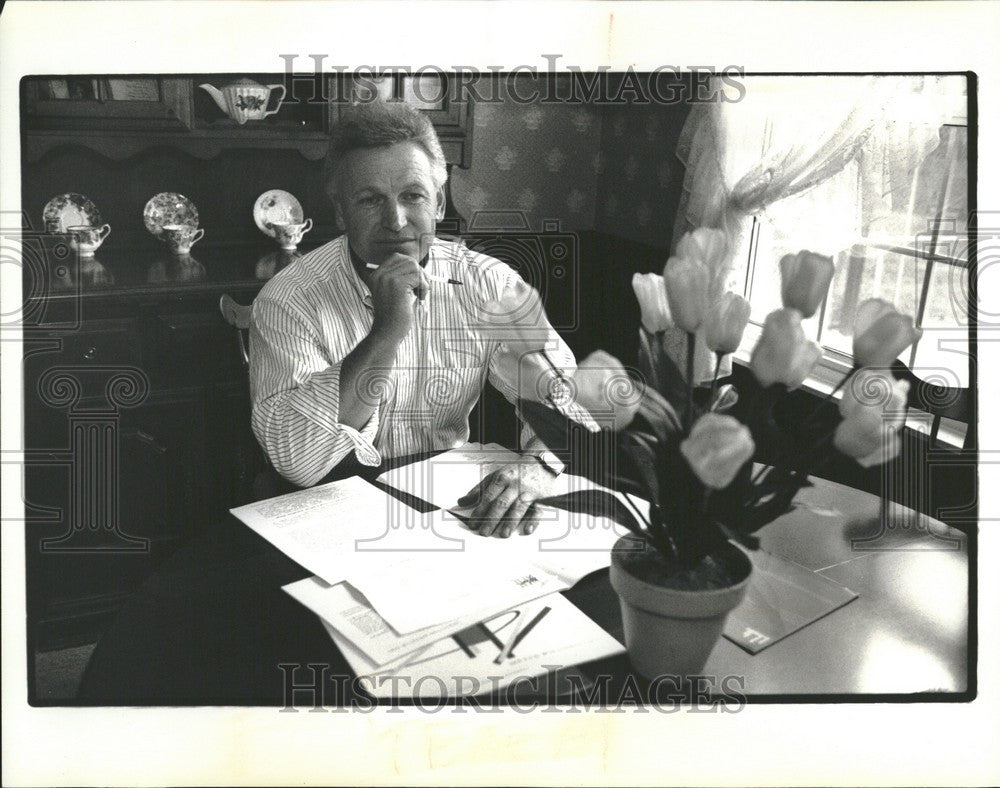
[504, 372]
[295, 390]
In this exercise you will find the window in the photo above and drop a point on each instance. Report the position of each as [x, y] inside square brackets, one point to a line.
[895, 223]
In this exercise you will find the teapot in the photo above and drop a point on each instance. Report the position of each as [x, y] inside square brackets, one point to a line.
[245, 99]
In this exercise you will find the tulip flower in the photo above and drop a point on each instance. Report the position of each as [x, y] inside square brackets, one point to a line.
[886, 451]
[717, 448]
[706, 246]
[783, 354]
[871, 438]
[726, 322]
[860, 434]
[805, 278]
[652, 297]
[604, 388]
[874, 411]
[686, 282]
[881, 333]
[869, 389]
[517, 319]
[700, 257]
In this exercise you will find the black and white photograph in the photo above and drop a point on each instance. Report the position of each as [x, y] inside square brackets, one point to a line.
[534, 414]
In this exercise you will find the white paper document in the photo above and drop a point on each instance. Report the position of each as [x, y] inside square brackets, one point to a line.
[443, 479]
[344, 608]
[322, 527]
[424, 570]
[521, 643]
[416, 590]
[441, 569]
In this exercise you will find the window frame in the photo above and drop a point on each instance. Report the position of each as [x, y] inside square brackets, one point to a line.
[834, 364]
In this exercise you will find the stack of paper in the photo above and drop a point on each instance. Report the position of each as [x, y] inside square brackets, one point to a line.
[783, 597]
[466, 656]
[391, 582]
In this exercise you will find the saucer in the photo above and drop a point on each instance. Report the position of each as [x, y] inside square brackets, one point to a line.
[276, 207]
[168, 208]
[68, 210]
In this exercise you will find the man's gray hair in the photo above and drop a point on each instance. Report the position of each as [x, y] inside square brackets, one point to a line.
[379, 124]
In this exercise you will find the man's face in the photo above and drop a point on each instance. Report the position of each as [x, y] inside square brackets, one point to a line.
[387, 202]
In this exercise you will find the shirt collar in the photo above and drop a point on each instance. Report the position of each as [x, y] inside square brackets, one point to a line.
[351, 273]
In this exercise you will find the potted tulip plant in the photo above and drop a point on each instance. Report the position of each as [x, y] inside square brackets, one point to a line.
[651, 434]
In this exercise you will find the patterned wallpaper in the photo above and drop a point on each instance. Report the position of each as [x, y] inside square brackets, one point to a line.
[538, 159]
[639, 184]
[605, 168]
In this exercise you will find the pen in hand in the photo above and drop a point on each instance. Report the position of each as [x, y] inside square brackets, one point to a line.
[430, 277]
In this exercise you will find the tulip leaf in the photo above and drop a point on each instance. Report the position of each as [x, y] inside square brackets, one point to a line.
[642, 449]
[597, 503]
[661, 415]
[725, 399]
[661, 370]
[749, 541]
[647, 354]
[759, 513]
[596, 455]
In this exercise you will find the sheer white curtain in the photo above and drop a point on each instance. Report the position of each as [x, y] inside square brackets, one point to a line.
[790, 134]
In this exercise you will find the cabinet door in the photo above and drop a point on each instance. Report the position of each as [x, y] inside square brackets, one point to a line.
[124, 493]
[126, 103]
[435, 95]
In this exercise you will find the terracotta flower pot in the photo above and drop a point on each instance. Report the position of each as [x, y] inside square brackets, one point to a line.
[669, 631]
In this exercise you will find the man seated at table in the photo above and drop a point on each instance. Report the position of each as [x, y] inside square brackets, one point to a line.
[363, 347]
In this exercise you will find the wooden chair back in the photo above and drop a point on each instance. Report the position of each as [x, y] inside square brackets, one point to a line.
[941, 402]
[238, 316]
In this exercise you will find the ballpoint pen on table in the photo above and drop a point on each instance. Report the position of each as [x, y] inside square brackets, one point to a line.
[431, 277]
[521, 630]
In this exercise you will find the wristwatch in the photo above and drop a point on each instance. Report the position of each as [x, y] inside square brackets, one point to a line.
[550, 462]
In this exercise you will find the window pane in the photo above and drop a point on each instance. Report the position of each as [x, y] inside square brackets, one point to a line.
[943, 351]
[902, 200]
[802, 222]
[878, 197]
[942, 358]
[862, 273]
[947, 298]
[946, 168]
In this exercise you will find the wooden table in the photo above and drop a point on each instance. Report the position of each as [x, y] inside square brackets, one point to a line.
[213, 626]
[907, 632]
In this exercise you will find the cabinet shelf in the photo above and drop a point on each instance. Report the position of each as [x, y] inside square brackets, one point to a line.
[187, 119]
[201, 144]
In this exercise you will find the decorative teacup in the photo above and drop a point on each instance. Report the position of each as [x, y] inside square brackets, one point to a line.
[288, 234]
[180, 237]
[86, 239]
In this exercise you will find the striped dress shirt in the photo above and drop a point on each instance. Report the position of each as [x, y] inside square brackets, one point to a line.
[316, 311]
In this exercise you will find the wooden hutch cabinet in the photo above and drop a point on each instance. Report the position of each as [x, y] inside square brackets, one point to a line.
[105, 114]
[136, 403]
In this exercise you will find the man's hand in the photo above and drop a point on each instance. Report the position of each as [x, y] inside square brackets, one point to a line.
[394, 285]
[505, 499]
